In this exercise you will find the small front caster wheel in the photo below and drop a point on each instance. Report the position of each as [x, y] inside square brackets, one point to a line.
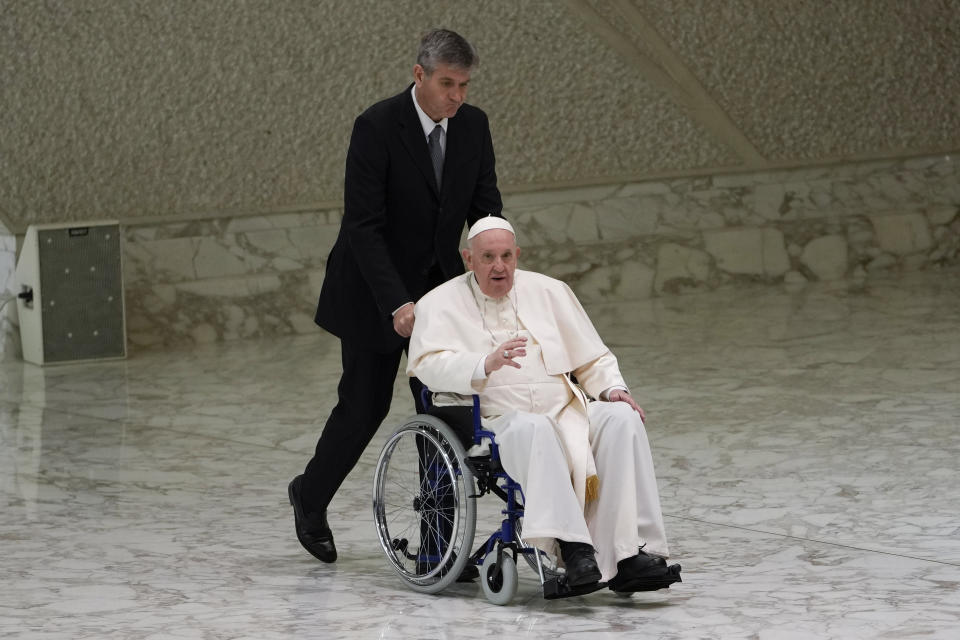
[499, 581]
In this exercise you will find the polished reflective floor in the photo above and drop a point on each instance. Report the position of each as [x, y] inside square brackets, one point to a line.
[807, 445]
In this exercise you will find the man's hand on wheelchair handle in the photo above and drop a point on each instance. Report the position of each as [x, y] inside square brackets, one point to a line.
[618, 395]
[505, 354]
[403, 320]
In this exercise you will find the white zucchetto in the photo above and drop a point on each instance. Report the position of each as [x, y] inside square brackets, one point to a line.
[490, 222]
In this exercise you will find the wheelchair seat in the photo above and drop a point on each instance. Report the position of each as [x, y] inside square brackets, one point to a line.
[460, 419]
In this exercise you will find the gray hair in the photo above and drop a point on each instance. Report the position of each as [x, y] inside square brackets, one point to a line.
[442, 46]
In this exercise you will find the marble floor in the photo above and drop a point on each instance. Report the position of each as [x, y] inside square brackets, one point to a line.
[807, 445]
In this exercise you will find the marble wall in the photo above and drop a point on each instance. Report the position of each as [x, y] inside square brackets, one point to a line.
[247, 277]
[9, 330]
[225, 279]
[256, 276]
[793, 227]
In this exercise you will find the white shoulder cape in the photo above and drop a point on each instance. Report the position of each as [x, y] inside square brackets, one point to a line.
[448, 330]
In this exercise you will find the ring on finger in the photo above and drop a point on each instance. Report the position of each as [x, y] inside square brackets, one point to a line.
[506, 354]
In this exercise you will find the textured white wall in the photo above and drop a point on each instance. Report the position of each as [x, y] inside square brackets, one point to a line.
[134, 110]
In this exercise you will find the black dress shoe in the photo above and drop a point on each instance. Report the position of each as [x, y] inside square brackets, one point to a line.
[581, 563]
[644, 572]
[469, 574]
[641, 564]
[313, 532]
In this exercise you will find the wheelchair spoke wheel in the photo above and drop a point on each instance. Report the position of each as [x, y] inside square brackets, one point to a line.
[422, 504]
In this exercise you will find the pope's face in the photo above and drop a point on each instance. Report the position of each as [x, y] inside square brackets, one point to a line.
[442, 92]
[492, 257]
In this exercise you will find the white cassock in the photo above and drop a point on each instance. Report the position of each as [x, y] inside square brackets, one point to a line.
[606, 494]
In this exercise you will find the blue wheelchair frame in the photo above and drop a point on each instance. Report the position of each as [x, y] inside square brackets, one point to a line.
[487, 475]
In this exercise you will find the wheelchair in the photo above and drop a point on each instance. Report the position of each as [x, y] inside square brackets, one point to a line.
[424, 502]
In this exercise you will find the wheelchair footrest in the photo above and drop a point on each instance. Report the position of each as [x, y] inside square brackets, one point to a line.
[558, 588]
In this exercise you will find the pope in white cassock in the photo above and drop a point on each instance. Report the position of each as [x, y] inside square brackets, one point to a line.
[514, 338]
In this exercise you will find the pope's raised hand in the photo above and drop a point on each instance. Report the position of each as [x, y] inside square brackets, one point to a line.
[505, 354]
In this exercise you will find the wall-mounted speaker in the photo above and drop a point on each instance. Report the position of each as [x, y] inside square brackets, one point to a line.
[71, 293]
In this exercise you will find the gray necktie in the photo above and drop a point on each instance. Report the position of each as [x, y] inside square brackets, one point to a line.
[436, 152]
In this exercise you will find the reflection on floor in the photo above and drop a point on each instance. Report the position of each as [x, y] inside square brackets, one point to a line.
[807, 445]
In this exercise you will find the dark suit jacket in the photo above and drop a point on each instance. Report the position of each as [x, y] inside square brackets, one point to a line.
[398, 230]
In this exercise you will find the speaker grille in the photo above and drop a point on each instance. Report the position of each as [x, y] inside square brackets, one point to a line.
[82, 289]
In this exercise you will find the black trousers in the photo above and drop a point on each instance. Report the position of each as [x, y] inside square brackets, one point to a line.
[363, 401]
